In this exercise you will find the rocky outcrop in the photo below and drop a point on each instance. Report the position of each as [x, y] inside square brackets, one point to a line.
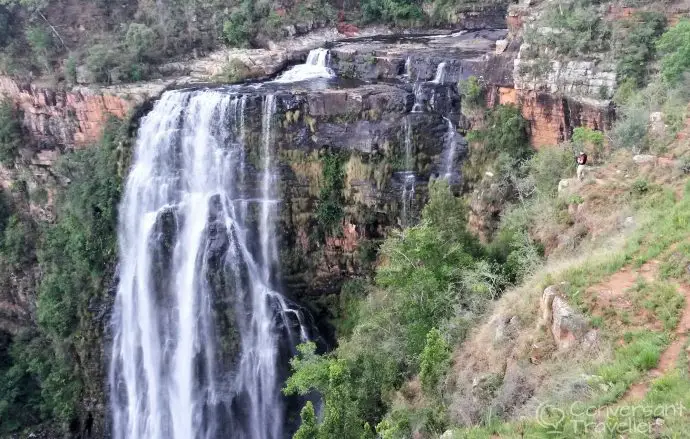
[61, 118]
[567, 326]
[445, 57]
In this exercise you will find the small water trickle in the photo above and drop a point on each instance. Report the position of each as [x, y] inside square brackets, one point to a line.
[408, 68]
[418, 106]
[440, 77]
[315, 67]
[451, 146]
[409, 177]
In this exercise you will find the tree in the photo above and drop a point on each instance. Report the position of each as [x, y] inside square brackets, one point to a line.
[674, 45]
[308, 428]
[140, 41]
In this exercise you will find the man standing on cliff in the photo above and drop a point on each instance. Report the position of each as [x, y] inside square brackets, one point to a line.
[581, 162]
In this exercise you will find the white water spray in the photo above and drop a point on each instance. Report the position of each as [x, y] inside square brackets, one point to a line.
[183, 226]
[451, 146]
[316, 67]
[440, 77]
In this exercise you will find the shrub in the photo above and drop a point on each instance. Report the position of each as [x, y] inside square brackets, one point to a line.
[505, 132]
[394, 11]
[18, 240]
[308, 428]
[100, 61]
[234, 71]
[239, 28]
[674, 45]
[571, 28]
[433, 362]
[329, 210]
[41, 42]
[71, 70]
[589, 140]
[471, 90]
[10, 132]
[140, 41]
[549, 166]
[630, 130]
[636, 46]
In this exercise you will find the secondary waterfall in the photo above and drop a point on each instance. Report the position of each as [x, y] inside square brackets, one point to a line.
[315, 67]
[451, 146]
[440, 77]
[195, 233]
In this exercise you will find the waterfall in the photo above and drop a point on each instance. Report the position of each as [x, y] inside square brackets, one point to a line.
[440, 77]
[409, 177]
[408, 67]
[315, 67]
[188, 246]
[451, 146]
[418, 106]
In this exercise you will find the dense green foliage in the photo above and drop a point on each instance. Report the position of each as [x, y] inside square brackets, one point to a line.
[667, 95]
[636, 46]
[10, 132]
[505, 132]
[329, 210]
[433, 361]
[675, 46]
[435, 276]
[44, 376]
[571, 28]
[393, 11]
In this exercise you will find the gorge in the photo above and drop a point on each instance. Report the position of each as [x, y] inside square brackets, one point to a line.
[202, 331]
[329, 219]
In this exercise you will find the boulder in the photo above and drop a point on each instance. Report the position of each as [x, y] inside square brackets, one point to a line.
[656, 123]
[568, 327]
[642, 159]
[565, 184]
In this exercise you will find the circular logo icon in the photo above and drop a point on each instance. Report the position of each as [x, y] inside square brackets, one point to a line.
[549, 416]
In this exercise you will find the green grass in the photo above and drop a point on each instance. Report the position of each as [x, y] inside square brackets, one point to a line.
[665, 223]
[661, 299]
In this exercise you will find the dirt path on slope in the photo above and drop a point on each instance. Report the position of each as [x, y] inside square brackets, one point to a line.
[669, 358]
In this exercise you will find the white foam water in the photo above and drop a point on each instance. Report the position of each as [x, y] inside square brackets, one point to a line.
[316, 67]
[184, 224]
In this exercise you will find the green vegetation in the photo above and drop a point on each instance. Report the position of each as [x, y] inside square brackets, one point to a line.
[471, 91]
[434, 361]
[329, 210]
[10, 132]
[675, 46]
[636, 47]
[42, 377]
[571, 28]
[399, 12]
[434, 281]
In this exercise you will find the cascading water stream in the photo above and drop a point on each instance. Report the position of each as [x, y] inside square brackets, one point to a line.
[451, 146]
[316, 67]
[409, 177]
[187, 243]
[440, 77]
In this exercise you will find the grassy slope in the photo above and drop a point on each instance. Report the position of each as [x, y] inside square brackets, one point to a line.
[631, 338]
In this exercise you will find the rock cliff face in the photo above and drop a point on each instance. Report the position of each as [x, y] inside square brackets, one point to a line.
[414, 107]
